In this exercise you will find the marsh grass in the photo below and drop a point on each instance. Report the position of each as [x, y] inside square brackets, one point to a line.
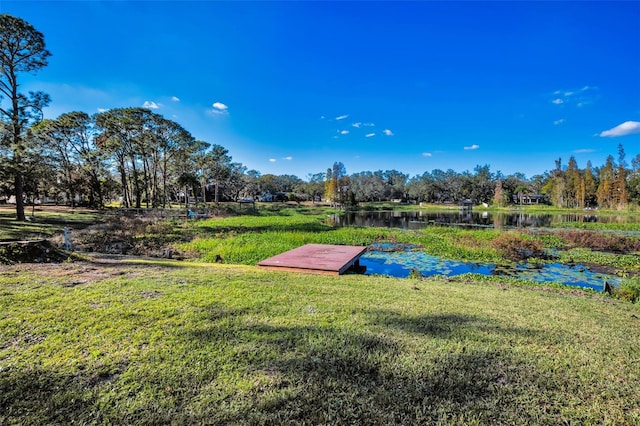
[250, 239]
[171, 343]
[620, 227]
[629, 289]
[517, 246]
[625, 263]
[247, 240]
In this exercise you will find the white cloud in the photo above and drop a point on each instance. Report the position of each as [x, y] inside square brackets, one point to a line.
[578, 97]
[368, 135]
[584, 151]
[175, 99]
[427, 154]
[289, 158]
[359, 125]
[220, 106]
[342, 117]
[387, 132]
[272, 160]
[624, 129]
[557, 122]
[102, 109]
[344, 132]
[472, 147]
[150, 105]
[322, 117]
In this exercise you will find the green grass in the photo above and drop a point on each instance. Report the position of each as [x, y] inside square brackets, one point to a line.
[45, 223]
[624, 262]
[632, 227]
[250, 239]
[174, 343]
[193, 343]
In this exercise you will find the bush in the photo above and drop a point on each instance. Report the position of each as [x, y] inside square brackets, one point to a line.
[629, 290]
[518, 247]
[600, 241]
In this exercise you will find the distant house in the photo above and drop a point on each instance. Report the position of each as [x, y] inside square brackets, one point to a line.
[528, 198]
[281, 196]
[266, 197]
[466, 204]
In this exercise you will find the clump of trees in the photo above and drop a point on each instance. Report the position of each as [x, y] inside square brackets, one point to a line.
[611, 186]
[141, 158]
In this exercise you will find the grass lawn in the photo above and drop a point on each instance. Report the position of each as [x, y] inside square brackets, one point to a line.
[116, 341]
[46, 221]
[180, 343]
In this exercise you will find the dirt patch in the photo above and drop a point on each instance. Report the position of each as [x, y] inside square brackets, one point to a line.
[85, 271]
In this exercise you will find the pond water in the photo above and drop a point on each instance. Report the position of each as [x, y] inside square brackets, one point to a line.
[470, 219]
[401, 263]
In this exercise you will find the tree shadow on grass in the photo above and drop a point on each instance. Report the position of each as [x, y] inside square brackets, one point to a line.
[35, 395]
[328, 375]
[446, 325]
[238, 366]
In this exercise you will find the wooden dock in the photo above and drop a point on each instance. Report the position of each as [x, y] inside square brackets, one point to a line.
[316, 259]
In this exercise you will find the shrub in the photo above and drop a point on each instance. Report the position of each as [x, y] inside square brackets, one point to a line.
[415, 274]
[629, 289]
[600, 241]
[518, 247]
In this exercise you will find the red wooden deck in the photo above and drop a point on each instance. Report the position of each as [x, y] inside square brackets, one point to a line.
[316, 259]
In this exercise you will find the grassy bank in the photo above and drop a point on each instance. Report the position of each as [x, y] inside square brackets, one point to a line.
[180, 343]
[246, 236]
[248, 239]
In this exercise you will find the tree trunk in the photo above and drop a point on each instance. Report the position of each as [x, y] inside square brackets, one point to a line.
[17, 142]
[125, 186]
[164, 181]
[19, 185]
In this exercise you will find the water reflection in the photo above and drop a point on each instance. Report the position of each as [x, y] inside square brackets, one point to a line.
[401, 263]
[470, 219]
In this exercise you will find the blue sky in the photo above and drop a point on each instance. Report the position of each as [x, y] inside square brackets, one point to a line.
[291, 87]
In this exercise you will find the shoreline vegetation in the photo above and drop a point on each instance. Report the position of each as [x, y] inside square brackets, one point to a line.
[145, 338]
[236, 234]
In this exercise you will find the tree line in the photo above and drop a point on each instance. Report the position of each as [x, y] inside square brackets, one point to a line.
[142, 159]
[614, 185]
